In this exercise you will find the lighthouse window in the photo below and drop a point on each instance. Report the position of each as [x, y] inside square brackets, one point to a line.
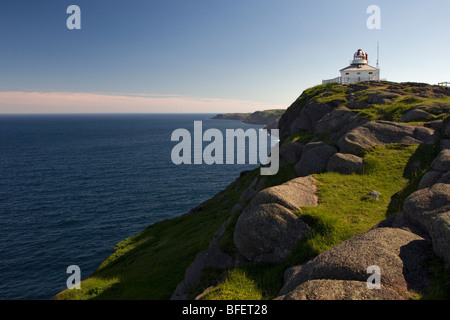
[347, 73]
[370, 72]
[359, 72]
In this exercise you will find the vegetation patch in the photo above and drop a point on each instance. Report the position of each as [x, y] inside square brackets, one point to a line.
[303, 137]
[394, 110]
[344, 210]
[440, 280]
[335, 93]
[237, 285]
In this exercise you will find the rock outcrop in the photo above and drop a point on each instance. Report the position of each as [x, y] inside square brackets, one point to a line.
[345, 163]
[447, 130]
[397, 246]
[383, 132]
[338, 122]
[268, 233]
[309, 116]
[397, 253]
[416, 114]
[428, 209]
[213, 256]
[440, 167]
[290, 152]
[268, 229]
[339, 290]
[293, 195]
[314, 158]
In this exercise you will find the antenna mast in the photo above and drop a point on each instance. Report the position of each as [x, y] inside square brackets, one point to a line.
[378, 55]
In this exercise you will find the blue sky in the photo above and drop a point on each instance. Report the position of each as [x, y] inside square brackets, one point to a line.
[205, 55]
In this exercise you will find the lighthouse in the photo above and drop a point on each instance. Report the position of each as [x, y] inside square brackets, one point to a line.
[358, 70]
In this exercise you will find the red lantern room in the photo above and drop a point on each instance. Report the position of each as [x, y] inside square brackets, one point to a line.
[360, 57]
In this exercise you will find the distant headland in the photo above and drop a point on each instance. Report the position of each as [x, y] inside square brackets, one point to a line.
[268, 118]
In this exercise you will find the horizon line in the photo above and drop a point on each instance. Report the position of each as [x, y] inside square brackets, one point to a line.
[23, 102]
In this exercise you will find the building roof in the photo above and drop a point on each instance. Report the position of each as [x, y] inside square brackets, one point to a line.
[363, 67]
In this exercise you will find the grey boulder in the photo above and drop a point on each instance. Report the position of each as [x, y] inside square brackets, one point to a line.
[290, 152]
[345, 163]
[324, 289]
[268, 232]
[293, 195]
[384, 132]
[396, 252]
[314, 159]
[268, 229]
[416, 115]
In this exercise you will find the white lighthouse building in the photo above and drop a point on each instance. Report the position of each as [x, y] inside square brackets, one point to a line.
[358, 70]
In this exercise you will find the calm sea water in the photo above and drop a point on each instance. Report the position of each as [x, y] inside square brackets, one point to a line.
[73, 186]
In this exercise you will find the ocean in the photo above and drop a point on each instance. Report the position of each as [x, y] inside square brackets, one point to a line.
[73, 186]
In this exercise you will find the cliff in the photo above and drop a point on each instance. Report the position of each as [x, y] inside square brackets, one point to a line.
[363, 186]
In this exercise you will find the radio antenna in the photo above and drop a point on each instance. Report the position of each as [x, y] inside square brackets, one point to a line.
[378, 55]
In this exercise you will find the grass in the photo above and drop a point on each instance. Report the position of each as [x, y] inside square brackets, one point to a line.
[237, 285]
[303, 137]
[394, 110]
[335, 93]
[345, 209]
[317, 91]
[325, 92]
[440, 280]
[150, 264]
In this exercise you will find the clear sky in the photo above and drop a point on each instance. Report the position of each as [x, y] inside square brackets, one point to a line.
[205, 55]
